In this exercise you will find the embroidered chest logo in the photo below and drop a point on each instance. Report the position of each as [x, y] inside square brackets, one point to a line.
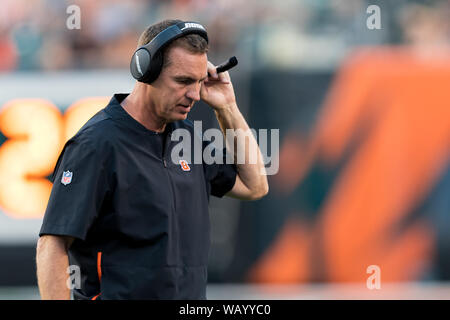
[66, 177]
[184, 165]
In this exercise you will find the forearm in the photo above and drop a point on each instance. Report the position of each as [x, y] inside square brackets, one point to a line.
[247, 155]
[52, 262]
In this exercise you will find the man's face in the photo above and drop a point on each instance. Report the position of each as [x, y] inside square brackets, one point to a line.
[178, 86]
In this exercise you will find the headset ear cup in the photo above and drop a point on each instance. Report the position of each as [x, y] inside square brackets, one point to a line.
[133, 70]
[155, 68]
[140, 63]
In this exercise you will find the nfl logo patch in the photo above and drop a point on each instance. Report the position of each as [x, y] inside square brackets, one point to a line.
[66, 177]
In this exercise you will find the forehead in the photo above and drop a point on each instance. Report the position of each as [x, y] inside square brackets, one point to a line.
[185, 63]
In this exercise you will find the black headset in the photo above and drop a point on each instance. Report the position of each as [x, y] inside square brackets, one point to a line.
[147, 61]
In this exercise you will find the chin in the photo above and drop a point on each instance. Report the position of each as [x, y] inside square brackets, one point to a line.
[180, 116]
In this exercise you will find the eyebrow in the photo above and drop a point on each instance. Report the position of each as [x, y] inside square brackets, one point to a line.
[187, 78]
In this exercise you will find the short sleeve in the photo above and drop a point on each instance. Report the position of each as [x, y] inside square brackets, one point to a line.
[220, 177]
[79, 187]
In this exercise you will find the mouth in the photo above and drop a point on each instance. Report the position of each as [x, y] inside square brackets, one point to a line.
[185, 107]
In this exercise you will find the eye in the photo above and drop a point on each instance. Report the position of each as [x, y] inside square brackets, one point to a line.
[184, 81]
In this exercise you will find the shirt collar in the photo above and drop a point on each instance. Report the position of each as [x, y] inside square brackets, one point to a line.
[117, 112]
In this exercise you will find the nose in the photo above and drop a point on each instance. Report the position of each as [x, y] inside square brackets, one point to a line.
[193, 93]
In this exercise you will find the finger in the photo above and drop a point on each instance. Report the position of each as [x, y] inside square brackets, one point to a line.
[213, 82]
[204, 91]
[212, 72]
[224, 77]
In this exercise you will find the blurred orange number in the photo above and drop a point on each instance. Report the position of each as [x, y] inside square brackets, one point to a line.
[36, 132]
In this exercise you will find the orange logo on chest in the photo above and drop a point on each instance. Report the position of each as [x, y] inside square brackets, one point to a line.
[184, 165]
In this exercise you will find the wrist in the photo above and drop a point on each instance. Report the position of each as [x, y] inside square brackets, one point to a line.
[226, 108]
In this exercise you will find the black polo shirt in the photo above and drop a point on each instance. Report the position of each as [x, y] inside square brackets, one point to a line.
[140, 221]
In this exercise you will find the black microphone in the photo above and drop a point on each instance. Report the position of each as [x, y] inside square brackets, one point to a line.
[232, 62]
[227, 65]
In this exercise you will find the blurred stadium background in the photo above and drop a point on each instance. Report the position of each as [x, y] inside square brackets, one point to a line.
[364, 119]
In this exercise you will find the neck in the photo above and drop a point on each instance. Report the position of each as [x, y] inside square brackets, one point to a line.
[139, 106]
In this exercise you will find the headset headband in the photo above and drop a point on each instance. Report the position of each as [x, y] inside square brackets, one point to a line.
[146, 62]
[174, 32]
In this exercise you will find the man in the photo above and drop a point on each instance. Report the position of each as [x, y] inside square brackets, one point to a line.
[134, 222]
